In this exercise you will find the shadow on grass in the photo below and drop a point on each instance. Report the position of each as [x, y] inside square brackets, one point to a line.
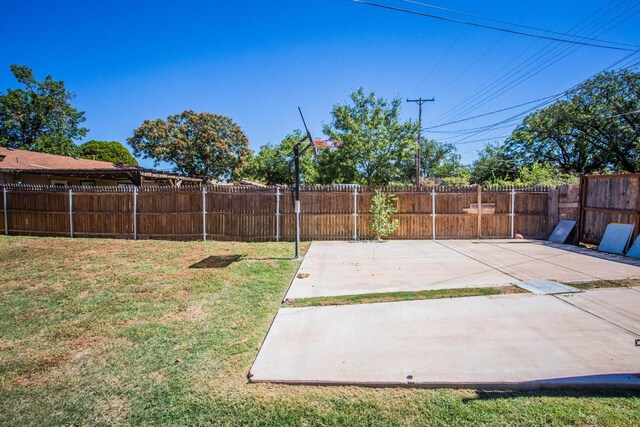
[222, 261]
[599, 385]
[217, 261]
[560, 393]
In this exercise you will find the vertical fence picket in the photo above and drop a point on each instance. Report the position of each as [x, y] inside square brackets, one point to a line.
[135, 213]
[355, 214]
[479, 211]
[6, 213]
[433, 214]
[71, 213]
[512, 216]
[204, 214]
[278, 214]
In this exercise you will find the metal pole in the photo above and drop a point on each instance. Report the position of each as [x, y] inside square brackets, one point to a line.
[71, 213]
[418, 154]
[278, 214]
[513, 212]
[433, 214]
[204, 214]
[355, 214]
[419, 101]
[6, 215]
[135, 213]
[296, 155]
[479, 211]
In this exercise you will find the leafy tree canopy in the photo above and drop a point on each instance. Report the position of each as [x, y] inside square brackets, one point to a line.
[441, 160]
[376, 145]
[39, 117]
[494, 163]
[106, 151]
[596, 129]
[274, 163]
[201, 144]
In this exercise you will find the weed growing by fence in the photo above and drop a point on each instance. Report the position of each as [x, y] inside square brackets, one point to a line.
[382, 207]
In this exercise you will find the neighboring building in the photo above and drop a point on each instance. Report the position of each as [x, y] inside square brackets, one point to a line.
[30, 167]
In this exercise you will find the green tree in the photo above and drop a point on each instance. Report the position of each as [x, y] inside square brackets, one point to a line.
[440, 160]
[494, 163]
[376, 145]
[543, 174]
[596, 128]
[106, 151]
[201, 144]
[40, 116]
[274, 163]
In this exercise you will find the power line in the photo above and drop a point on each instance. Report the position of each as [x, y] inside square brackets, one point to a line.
[493, 112]
[431, 6]
[567, 92]
[484, 139]
[460, 132]
[621, 114]
[475, 24]
[539, 68]
[486, 52]
[494, 126]
[504, 81]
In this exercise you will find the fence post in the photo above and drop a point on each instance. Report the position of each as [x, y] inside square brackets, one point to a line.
[355, 214]
[433, 214]
[204, 214]
[479, 211]
[6, 215]
[277, 214]
[71, 213]
[553, 205]
[135, 213]
[513, 213]
[582, 204]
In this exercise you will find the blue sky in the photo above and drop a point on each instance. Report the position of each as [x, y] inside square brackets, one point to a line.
[257, 61]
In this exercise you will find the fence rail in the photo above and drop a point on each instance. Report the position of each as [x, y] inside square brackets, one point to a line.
[264, 214]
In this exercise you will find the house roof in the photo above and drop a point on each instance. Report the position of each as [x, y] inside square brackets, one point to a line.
[32, 162]
[17, 160]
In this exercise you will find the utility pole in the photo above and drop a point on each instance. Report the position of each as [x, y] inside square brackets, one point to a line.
[419, 101]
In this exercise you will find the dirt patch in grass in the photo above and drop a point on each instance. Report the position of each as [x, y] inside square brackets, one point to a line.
[195, 312]
[402, 296]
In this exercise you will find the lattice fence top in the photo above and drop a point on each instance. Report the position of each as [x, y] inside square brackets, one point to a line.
[272, 189]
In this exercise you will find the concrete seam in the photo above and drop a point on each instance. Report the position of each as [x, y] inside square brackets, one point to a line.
[477, 260]
[635, 334]
[548, 262]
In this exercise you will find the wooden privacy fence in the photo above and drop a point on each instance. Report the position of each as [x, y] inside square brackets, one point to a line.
[266, 214]
[605, 199]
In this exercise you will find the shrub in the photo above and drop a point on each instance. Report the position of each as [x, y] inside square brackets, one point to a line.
[382, 207]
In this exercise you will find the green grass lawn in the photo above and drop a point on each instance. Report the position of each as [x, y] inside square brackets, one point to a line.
[115, 332]
[402, 296]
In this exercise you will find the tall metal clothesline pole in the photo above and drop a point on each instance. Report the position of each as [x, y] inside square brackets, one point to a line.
[419, 101]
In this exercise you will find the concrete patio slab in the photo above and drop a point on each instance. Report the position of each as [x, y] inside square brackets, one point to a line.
[531, 259]
[519, 341]
[349, 268]
[617, 305]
